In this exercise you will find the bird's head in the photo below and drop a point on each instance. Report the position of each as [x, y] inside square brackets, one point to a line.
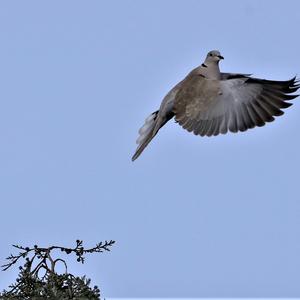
[213, 56]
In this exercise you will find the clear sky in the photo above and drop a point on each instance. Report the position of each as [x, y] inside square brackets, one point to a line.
[192, 217]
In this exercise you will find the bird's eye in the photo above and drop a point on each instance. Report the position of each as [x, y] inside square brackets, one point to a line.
[210, 54]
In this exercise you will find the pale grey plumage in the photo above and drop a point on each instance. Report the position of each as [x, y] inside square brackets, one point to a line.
[208, 102]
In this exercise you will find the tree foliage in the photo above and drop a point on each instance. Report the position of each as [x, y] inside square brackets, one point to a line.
[38, 277]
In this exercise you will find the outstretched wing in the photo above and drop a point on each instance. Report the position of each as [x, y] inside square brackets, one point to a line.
[225, 76]
[210, 107]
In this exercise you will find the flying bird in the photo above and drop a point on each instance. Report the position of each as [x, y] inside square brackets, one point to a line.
[208, 102]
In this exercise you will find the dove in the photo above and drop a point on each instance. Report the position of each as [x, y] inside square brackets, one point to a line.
[208, 102]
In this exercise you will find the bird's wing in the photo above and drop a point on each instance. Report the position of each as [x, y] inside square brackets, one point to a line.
[225, 76]
[210, 107]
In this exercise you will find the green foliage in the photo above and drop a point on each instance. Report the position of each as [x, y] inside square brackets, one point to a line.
[38, 278]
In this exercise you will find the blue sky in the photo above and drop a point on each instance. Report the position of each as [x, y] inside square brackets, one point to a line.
[192, 217]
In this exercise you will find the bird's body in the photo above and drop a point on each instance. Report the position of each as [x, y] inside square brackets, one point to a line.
[208, 102]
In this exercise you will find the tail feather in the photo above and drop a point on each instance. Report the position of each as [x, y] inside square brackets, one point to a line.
[146, 135]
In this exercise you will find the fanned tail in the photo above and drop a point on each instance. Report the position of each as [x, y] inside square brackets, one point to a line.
[145, 135]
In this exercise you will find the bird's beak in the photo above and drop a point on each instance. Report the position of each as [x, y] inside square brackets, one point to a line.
[220, 56]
